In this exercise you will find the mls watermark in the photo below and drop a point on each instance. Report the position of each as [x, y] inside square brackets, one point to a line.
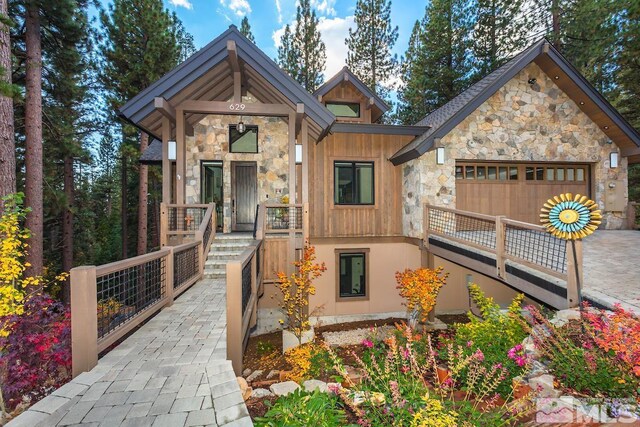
[568, 409]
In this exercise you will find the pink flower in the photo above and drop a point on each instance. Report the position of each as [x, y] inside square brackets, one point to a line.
[479, 355]
[469, 343]
[367, 343]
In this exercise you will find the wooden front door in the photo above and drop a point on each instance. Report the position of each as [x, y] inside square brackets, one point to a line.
[244, 198]
[517, 190]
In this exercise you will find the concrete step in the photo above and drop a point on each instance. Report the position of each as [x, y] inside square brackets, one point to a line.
[224, 254]
[230, 245]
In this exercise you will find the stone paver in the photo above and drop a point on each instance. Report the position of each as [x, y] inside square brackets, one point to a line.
[171, 372]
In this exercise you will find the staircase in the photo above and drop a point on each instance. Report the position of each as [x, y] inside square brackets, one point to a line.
[224, 248]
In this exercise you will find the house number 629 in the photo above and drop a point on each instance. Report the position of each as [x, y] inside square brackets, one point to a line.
[235, 107]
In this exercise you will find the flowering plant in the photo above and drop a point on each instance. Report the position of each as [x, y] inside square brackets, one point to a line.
[296, 290]
[517, 354]
[420, 288]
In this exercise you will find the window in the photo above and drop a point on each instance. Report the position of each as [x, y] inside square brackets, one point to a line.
[246, 142]
[344, 109]
[353, 183]
[352, 277]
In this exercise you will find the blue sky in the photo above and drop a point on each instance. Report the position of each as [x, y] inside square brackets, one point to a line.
[205, 19]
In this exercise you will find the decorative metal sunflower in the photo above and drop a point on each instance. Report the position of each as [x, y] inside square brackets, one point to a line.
[570, 217]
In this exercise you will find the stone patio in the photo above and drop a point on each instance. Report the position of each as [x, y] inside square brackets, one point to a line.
[171, 372]
[612, 268]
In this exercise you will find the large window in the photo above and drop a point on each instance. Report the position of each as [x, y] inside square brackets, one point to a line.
[344, 109]
[352, 273]
[245, 142]
[354, 183]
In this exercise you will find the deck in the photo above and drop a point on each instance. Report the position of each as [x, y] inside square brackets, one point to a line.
[171, 372]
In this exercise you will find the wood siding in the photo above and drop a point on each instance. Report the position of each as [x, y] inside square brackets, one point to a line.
[275, 257]
[384, 218]
[347, 92]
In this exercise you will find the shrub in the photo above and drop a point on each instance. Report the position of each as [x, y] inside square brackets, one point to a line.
[36, 353]
[307, 361]
[601, 371]
[420, 288]
[296, 290]
[304, 409]
[495, 333]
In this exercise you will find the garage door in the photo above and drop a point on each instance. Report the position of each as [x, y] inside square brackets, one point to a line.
[517, 190]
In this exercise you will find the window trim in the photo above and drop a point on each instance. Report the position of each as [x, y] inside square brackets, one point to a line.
[353, 168]
[234, 125]
[367, 289]
[355, 102]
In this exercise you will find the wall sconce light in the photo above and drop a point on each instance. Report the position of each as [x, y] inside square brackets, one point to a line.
[532, 81]
[241, 126]
[171, 150]
[613, 159]
[440, 156]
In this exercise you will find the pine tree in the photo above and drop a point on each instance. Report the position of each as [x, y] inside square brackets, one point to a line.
[500, 31]
[245, 29]
[436, 68]
[628, 67]
[138, 49]
[370, 44]
[302, 53]
[7, 136]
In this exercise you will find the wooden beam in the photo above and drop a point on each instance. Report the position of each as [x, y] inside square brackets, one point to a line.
[300, 115]
[218, 107]
[180, 157]
[166, 163]
[232, 51]
[165, 108]
[237, 87]
[305, 162]
[292, 158]
[626, 152]
[370, 103]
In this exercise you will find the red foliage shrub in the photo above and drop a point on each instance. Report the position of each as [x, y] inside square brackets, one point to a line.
[35, 356]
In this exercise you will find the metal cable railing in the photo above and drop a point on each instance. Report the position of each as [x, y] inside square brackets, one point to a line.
[186, 265]
[536, 246]
[283, 217]
[474, 229]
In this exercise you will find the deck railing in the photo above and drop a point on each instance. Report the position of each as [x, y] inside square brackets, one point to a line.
[521, 243]
[109, 301]
[243, 279]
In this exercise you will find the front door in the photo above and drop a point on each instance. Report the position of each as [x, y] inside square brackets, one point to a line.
[244, 198]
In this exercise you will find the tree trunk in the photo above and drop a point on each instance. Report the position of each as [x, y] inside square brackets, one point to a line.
[67, 224]
[33, 139]
[555, 22]
[143, 191]
[7, 138]
[123, 206]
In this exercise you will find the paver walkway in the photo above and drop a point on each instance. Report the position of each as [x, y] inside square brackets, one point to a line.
[172, 372]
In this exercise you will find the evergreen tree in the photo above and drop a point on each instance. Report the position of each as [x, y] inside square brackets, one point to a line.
[370, 44]
[436, 68]
[628, 67]
[7, 137]
[138, 48]
[302, 53]
[245, 29]
[500, 32]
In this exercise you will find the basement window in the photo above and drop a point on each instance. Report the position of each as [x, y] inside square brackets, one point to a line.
[352, 274]
[344, 109]
[245, 142]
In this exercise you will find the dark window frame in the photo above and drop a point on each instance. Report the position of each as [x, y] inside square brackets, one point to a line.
[354, 183]
[359, 116]
[248, 127]
[367, 290]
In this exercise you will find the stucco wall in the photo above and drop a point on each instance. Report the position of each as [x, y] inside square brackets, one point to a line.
[518, 123]
[211, 142]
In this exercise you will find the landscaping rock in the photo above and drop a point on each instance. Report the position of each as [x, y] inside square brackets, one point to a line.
[436, 325]
[543, 386]
[273, 373]
[246, 372]
[245, 390]
[353, 374]
[356, 336]
[282, 389]
[334, 387]
[259, 393]
[529, 347]
[311, 385]
[254, 375]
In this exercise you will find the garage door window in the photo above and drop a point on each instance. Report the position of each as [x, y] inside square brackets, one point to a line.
[492, 173]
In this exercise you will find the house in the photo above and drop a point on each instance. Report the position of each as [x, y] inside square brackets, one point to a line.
[233, 129]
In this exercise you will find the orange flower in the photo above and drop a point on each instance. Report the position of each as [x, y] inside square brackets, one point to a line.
[420, 288]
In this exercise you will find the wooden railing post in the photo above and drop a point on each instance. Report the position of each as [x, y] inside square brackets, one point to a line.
[254, 289]
[164, 224]
[84, 319]
[500, 247]
[305, 223]
[234, 315]
[574, 265]
[425, 227]
[169, 266]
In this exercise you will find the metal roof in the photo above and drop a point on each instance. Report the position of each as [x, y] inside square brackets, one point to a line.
[153, 153]
[442, 120]
[141, 107]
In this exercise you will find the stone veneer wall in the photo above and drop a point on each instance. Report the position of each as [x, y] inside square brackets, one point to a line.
[518, 123]
[211, 142]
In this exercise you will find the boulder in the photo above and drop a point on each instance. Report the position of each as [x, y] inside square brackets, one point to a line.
[244, 388]
[543, 386]
[311, 385]
[259, 393]
[282, 389]
[254, 375]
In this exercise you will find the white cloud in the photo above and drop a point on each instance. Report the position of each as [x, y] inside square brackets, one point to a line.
[182, 3]
[239, 7]
[279, 9]
[324, 7]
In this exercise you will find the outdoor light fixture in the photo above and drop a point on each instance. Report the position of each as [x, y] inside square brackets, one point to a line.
[613, 159]
[171, 150]
[532, 81]
[556, 77]
[440, 155]
[241, 126]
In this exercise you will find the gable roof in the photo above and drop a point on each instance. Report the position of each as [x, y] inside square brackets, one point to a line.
[207, 66]
[448, 116]
[346, 75]
[152, 154]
